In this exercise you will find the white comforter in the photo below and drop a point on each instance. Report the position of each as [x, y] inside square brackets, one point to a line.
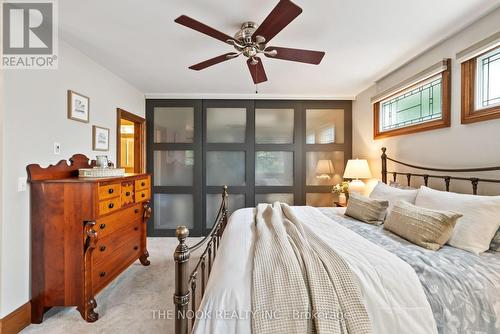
[392, 292]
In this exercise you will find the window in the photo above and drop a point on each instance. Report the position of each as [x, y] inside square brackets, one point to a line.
[424, 105]
[481, 87]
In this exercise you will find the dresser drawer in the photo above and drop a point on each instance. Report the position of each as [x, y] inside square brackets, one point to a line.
[109, 205]
[109, 191]
[142, 184]
[106, 246]
[142, 195]
[127, 194]
[109, 267]
[123, 218]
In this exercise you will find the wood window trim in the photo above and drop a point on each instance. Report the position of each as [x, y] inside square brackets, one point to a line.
[139, 142]
[468, 95]
[444, 122]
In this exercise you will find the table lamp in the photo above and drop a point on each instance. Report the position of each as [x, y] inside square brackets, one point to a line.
[324, 169]
[355, 170]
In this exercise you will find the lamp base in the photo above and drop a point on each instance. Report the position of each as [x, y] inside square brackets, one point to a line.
[356, 187]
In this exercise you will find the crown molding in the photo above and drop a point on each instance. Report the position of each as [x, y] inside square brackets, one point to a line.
[246, 96]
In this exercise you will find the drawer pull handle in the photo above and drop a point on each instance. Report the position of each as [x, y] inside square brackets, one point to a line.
[103, 248]
[127, 193]
[143, 195]
[136, 211]
[102, 226]
[136, 229]
[136, 247]
[143, 184]
[111, 190]
[111, 205]
[102, 273]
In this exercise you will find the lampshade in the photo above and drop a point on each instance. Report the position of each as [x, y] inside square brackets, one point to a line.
[357, 169]
[324, 167]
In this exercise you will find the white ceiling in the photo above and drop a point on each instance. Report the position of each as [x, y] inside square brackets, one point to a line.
[363, 40]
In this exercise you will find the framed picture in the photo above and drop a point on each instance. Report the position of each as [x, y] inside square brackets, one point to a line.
[78, 107]
[100, 138]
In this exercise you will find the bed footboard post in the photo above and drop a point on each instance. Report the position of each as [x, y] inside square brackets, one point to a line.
[181, 295]
[384, 165]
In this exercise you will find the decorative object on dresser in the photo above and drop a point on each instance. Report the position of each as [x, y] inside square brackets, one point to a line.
[342, 189]
[85, 232]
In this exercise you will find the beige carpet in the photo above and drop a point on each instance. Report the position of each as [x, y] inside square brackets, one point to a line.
[128, 303]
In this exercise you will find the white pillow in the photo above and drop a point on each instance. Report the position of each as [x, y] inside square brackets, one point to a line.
[481, 217]
[387, 193]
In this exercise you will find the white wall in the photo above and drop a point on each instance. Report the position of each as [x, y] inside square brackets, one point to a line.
[35, 118]
[460, 145]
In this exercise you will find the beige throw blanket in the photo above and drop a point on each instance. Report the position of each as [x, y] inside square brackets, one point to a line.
[300, 285]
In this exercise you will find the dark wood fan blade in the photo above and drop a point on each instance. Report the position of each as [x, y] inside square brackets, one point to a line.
[302, 56]
[203, 28]
[284, 13]
[213, 61]
[257, 71]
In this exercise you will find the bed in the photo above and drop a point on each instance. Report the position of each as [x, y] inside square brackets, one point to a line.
[405, 288]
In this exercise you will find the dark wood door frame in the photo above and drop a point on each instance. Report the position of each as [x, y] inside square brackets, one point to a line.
[139, 139]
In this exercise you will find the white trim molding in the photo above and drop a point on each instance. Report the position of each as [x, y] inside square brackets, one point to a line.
[429, 72]
[479, 48]
[211, 96]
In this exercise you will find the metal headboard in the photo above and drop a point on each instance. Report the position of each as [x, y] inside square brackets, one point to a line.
[447, 179]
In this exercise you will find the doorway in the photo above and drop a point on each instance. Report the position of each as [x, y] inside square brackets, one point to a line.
[130, 142]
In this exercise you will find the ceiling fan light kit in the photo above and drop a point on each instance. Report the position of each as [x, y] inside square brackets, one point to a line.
[251, 41]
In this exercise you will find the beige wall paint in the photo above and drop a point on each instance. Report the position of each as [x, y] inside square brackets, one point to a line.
[460, 145]
[35, 118]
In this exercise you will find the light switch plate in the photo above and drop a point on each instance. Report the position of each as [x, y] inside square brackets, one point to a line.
[22, 184]
[57, 148]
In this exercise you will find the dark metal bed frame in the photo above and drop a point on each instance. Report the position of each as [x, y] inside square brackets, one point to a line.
[447, 179]
[186, 281]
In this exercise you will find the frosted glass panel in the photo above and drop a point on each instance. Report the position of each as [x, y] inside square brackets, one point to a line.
[236, 201]
[320, 199]
[274, 126]
[324, 126]
[225, 168]
[271, 198]
[273, 168]
[173, 210]
[316, 174]
[226, 125]
[173, 168]
[173, 125]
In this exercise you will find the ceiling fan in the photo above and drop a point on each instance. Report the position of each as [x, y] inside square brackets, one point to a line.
[252, 39]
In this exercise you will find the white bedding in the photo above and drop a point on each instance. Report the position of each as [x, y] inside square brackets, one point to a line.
[393, 295]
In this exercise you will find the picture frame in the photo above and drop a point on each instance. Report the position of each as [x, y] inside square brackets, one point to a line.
[78, 107]
[100, 138]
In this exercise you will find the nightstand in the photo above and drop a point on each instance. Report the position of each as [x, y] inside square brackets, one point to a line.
[340, 205]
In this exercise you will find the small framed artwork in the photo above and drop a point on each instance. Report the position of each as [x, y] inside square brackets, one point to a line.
[78, 107]
[100, 138]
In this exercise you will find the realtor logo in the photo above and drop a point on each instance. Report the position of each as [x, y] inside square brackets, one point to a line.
[29, 34]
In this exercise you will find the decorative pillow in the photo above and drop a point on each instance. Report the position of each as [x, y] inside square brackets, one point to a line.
[495, 243]
[427, 228]
[368, 210]
[481, 217]
[384, 192]
[399, 185]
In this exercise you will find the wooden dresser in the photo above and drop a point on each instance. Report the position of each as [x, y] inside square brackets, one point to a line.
[84, 233]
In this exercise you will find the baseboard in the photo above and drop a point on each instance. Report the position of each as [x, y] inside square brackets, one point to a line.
[14, 322]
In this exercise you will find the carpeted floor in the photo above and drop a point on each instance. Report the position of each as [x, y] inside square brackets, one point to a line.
[129, 303]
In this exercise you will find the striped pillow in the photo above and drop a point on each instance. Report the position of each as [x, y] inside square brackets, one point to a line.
[368, 210]
[427, 228]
